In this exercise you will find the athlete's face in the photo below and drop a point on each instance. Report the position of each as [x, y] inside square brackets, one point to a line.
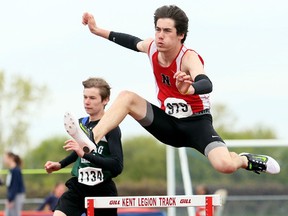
[166, 37]
[8, 161]
[93, 103]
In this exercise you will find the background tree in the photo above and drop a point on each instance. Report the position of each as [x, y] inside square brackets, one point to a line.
[225, 123]
[18, 97]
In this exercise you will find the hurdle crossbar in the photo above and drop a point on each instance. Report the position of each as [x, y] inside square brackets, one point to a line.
[209, 201]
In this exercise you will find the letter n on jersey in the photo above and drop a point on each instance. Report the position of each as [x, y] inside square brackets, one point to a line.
[166, 79]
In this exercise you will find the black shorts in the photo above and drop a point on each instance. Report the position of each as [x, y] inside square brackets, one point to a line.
[72, 201]
[194, 131]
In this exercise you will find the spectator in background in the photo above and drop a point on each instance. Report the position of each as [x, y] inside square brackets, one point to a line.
[201, 190]
[1, 182]
[51, 200]
[15, 185]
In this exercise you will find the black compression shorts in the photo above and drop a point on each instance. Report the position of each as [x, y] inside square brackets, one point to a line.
[72, 201]
[194, 131]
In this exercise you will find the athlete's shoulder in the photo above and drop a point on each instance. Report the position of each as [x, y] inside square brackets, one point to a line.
[192, 56]
[144, 45]
[189, 51]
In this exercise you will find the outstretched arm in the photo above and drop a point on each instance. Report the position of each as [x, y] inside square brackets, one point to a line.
[125, 40]
[51, 166]
[88, 19]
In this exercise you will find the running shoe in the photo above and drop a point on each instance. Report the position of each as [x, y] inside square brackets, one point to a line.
[72, 127]
[261, 163]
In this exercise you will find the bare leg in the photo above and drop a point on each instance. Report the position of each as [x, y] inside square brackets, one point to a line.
[58, 213]
[127, 103]
[226, 162]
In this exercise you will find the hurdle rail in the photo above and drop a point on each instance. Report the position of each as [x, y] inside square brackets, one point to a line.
[209, 201]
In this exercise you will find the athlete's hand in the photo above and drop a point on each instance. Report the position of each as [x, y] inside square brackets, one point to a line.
[72, 145]
[183, 82]
[88, 19]
[51, 166]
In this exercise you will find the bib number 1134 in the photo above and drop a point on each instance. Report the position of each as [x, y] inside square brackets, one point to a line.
[90, 176]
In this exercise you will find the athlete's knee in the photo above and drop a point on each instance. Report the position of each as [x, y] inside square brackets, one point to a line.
[127, 96]
[222, 160]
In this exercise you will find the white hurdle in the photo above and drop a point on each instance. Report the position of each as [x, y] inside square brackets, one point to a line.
[209, 201]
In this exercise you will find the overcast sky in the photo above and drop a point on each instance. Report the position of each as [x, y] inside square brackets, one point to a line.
[244, 44]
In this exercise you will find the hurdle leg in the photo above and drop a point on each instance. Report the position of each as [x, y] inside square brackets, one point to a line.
[209, 206]
[90, 208]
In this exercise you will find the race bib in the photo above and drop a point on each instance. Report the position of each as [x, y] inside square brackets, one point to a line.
[177, 107]
[90, 176]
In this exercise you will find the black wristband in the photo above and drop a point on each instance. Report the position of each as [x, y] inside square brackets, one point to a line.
[202, 84]
[125, 40]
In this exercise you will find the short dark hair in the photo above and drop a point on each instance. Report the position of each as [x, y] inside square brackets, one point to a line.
[101, 84]
[175, 13]
[16, 158]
